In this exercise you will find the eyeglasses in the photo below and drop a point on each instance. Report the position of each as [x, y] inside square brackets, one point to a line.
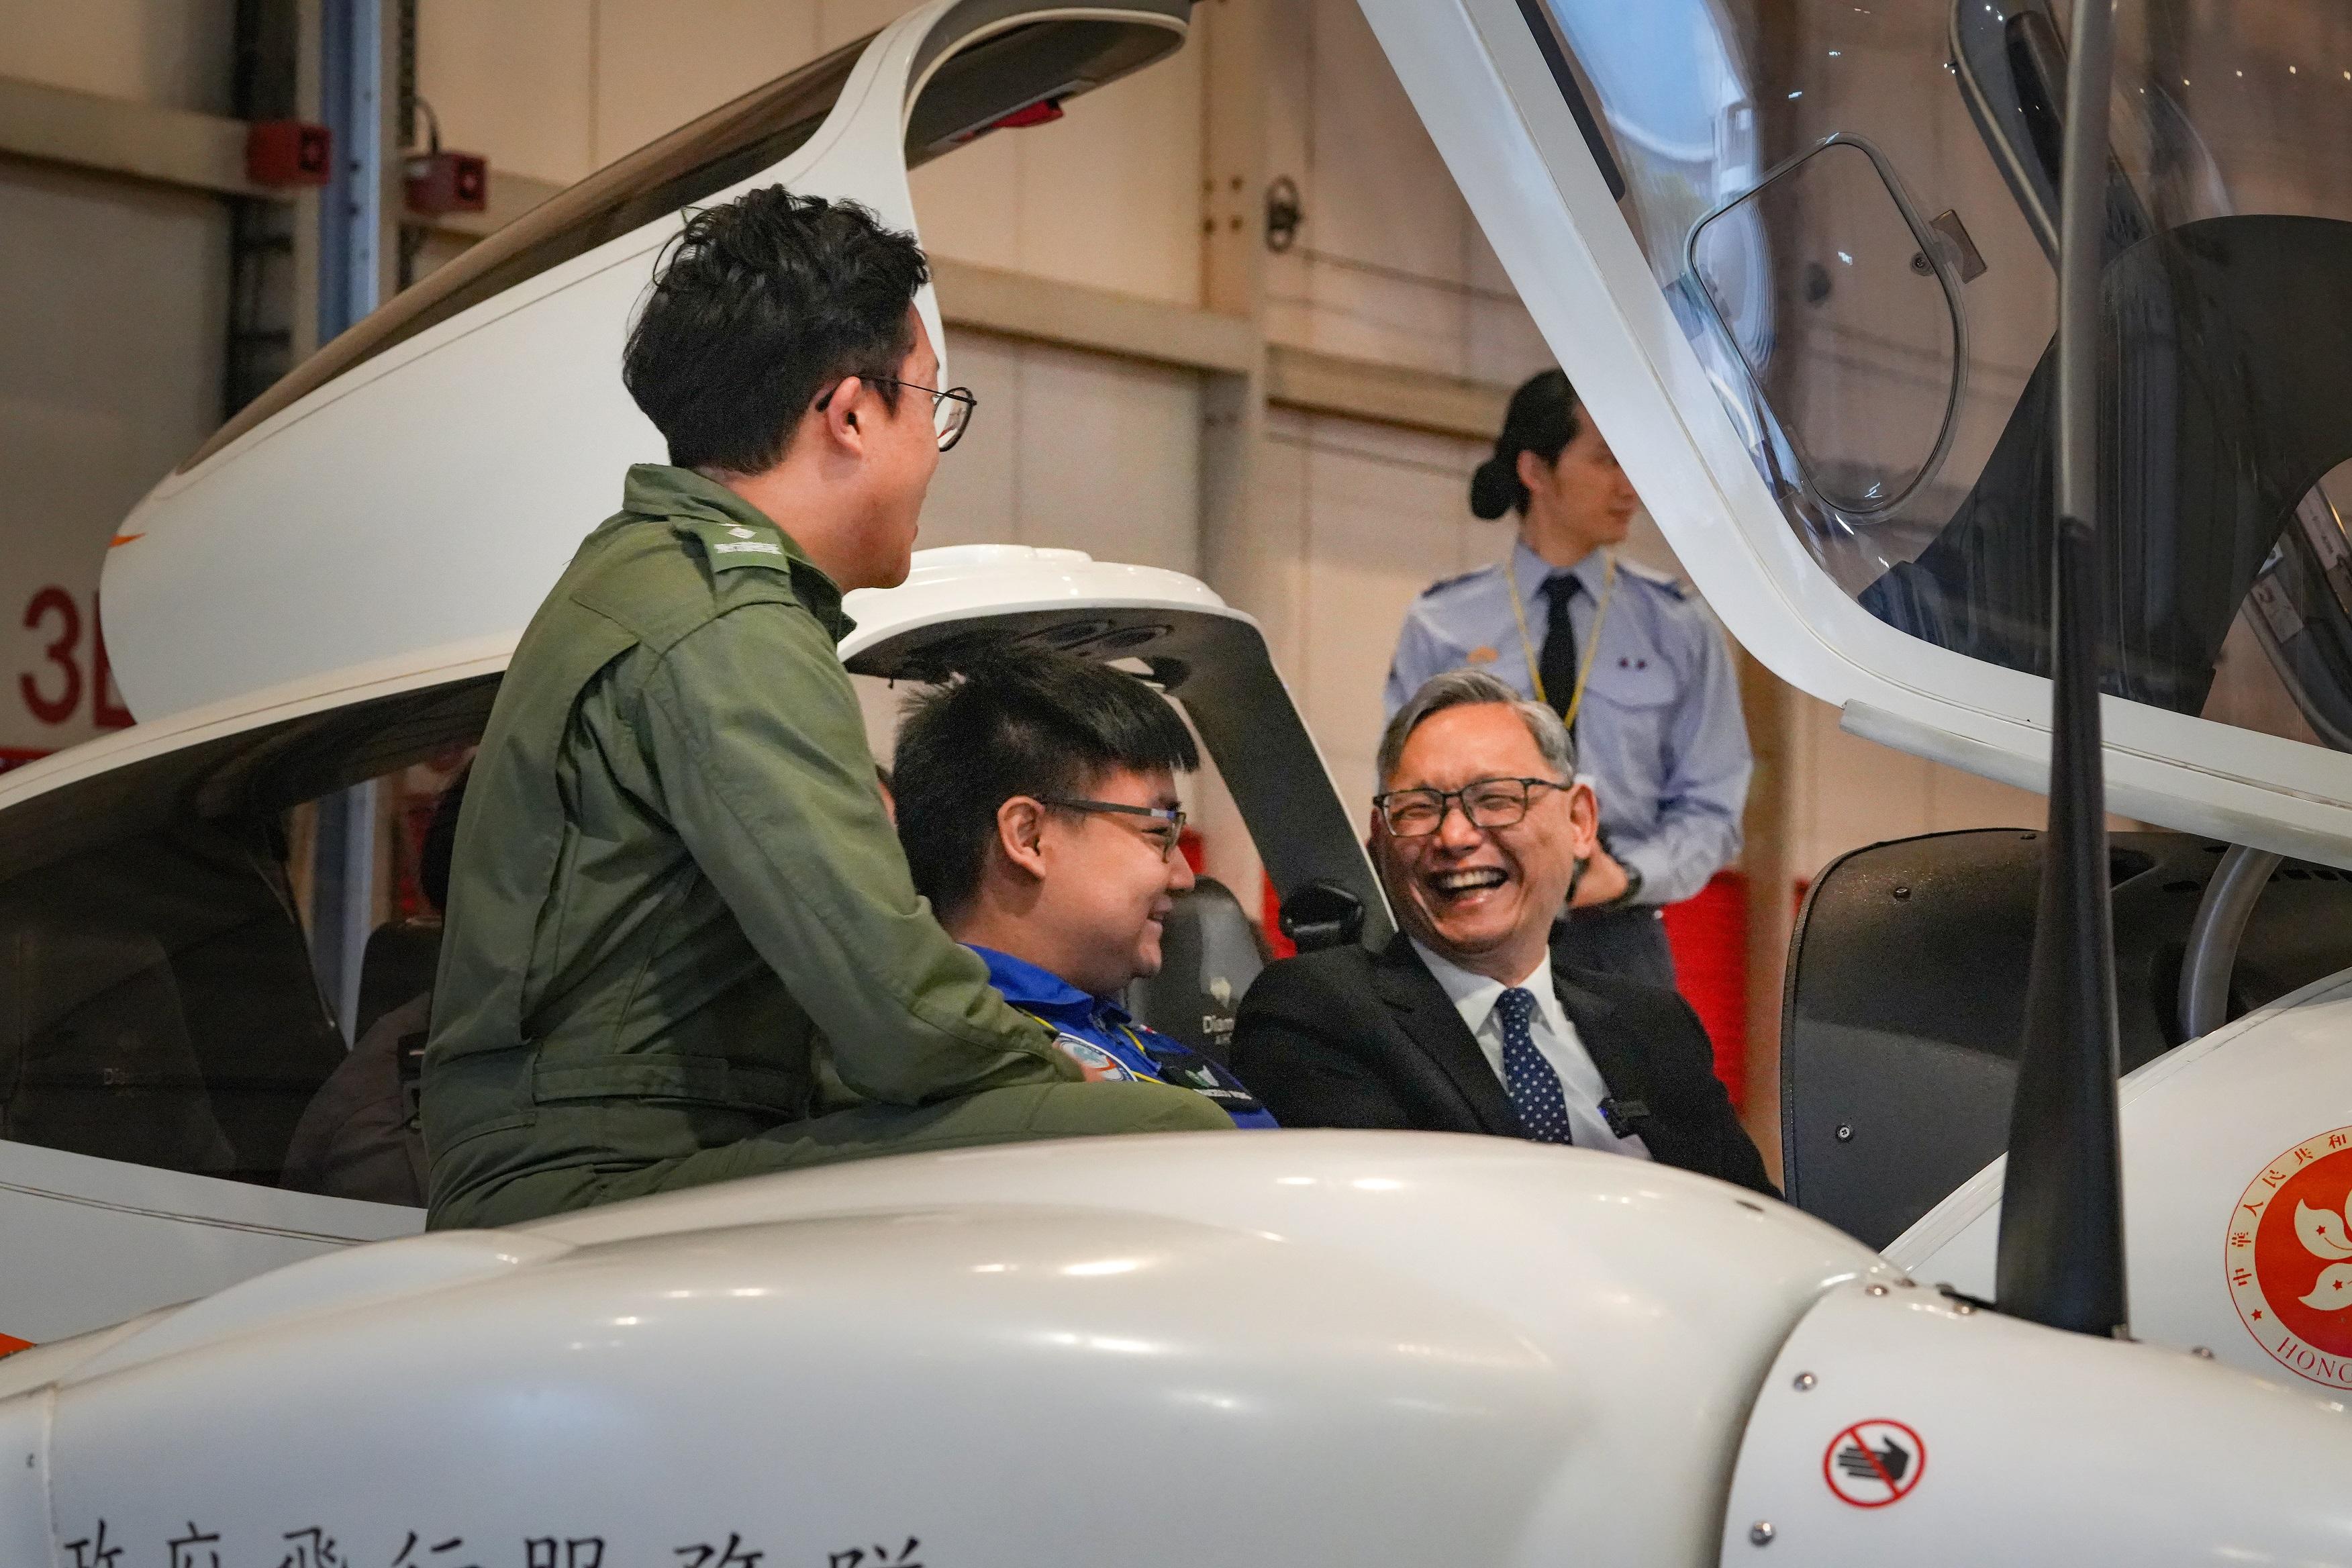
[1166, 836]
[950, 409]
[1486, 803]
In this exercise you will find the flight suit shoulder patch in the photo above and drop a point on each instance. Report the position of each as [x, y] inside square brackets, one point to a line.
[728, 545]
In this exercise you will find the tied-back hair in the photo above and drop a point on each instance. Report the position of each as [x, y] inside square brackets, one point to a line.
[1543, 420]
[1018, 721]
[1468, 687]
[755, 307]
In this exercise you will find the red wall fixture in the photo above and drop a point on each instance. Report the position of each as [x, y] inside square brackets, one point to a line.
[1270, 921]
[1709, 936]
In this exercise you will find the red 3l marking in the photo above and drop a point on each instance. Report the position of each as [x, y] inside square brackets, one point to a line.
[1873, 1463]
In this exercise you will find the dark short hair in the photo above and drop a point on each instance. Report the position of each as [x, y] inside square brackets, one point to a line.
[1020, 721]
[1541, 419]
[755, 305]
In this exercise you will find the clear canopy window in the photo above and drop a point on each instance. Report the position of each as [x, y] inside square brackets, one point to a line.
[1853, 210]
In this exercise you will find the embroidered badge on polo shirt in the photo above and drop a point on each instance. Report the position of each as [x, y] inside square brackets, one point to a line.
[1097, 1064]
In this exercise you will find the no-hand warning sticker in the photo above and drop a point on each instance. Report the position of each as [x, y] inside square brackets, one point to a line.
[1873, 1463]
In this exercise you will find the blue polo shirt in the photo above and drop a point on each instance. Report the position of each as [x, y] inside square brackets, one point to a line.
[1102, 1023]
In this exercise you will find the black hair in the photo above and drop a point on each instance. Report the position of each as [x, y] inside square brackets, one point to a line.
[755, 307]
[1020, 721]
[440, 842]
[1542, 420]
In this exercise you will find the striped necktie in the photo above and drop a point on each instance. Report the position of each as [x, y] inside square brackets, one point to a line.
[1534, 1086]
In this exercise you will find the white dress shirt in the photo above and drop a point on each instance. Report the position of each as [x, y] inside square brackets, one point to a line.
[1474, 997]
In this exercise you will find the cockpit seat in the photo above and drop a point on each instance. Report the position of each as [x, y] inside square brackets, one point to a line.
[1892, 1096]
[398, 965]
[95, 1054]
[358, 1137]
[1209, 953]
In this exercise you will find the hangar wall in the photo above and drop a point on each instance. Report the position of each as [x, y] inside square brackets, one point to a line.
[112, 305]
[1068, 449]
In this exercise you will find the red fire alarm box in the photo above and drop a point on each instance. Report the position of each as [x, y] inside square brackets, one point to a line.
[288, 153]
[448, 183]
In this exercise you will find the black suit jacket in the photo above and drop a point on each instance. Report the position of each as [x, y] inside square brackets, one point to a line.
[1346, 1037]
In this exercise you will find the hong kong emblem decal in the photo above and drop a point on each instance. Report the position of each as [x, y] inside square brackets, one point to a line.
[2288, 1255]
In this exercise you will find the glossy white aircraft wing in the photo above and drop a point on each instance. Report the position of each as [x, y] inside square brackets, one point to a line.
[1829, 397]
[1311, 1347]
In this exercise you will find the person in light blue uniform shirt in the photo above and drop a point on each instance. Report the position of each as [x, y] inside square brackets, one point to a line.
[1036, 797]
[1626, 655]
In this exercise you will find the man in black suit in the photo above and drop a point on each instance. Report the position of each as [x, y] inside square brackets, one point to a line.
[1463, 1022]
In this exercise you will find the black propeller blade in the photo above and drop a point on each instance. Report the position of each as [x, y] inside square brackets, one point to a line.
[2061, 1257]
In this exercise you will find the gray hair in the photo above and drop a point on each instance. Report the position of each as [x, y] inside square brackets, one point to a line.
[1468, 687]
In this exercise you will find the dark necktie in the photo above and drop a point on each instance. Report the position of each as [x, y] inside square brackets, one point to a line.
[1527, 1073]
[1557, 664]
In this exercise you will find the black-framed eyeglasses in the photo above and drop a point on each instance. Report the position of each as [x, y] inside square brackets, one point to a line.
[1486, 803]
[1167, 835]
[951, 408]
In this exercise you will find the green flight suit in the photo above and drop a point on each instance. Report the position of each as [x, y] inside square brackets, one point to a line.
[682, 943]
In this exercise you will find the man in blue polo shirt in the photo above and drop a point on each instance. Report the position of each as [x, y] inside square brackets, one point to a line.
[1037, 802]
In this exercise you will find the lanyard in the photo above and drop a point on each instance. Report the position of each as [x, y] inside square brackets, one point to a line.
[1142, 1051]
[1592, 644]
[1222, 1087]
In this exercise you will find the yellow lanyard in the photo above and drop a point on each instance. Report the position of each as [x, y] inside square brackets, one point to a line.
[1592, 643]
[1132, 1038]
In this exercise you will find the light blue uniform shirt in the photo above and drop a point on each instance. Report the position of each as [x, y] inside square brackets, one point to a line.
[1660, 731]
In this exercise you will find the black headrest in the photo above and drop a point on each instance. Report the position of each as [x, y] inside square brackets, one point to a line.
[1321, 914]
[1209, 953]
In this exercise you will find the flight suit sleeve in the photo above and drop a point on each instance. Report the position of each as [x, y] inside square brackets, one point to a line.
[1703, 794]
[754, 730]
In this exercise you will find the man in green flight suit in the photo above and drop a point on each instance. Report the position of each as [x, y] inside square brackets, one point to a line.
[682, 945]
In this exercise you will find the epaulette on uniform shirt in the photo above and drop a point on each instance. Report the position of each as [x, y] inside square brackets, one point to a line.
[1655, 578]
[1455, 581]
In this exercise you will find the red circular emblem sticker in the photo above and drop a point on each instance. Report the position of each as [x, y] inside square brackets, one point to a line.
[2288, 1255]
[1873, 1463]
